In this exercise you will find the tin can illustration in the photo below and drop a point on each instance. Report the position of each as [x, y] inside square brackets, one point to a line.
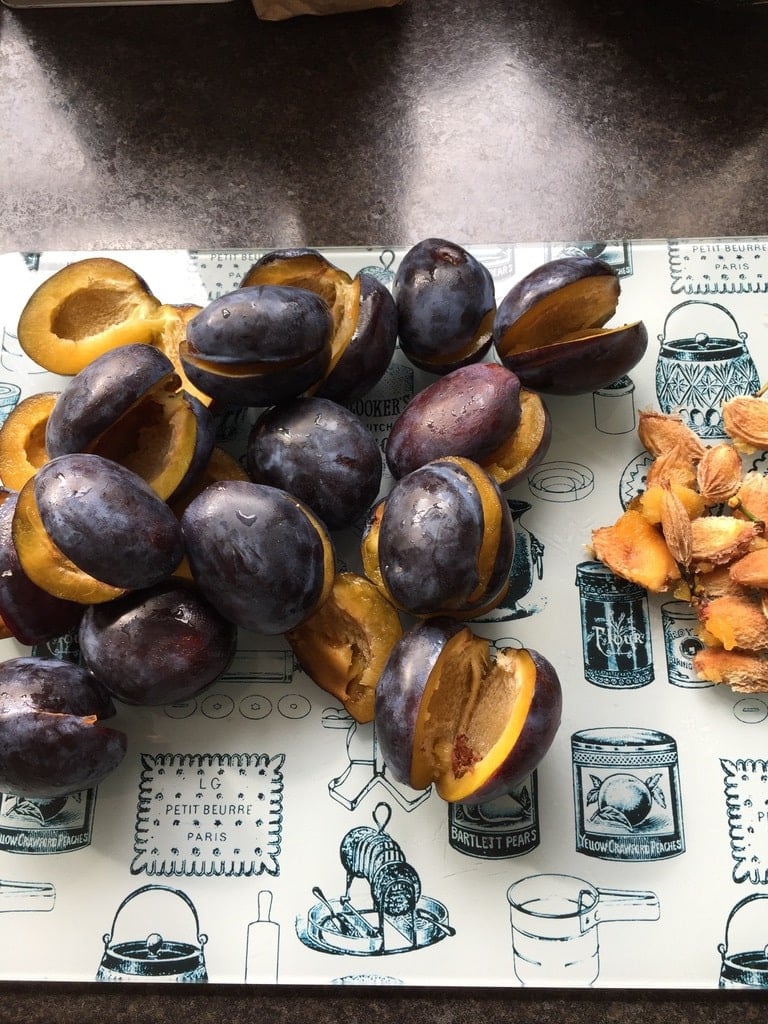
[626, 789]
[681, 644]
[54, 825]
[695, 375]
[614, 407]
[505, 827]
[615, 629]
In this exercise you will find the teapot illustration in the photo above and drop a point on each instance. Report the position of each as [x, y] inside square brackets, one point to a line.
[695, 375]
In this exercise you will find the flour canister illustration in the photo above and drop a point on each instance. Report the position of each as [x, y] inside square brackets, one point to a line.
[695, 374]
[626, 788]
[505, 827]
[615, 627]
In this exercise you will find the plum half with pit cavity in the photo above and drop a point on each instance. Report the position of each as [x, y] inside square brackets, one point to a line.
[453, 712]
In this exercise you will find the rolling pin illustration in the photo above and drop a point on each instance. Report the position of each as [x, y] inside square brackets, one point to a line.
[263, 944]
[24, 896]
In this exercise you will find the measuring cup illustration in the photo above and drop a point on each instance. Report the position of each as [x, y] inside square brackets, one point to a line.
[555, 922]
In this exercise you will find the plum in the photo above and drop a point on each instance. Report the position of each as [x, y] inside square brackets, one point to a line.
[442, 541]
[258, 554]
[369, 350]
[446, 302]
[344, 644]
[31, 614]
[52, 741]
[320, 452]
[22, 439]
[258, 345]
[127, 406]
[549, 328]
[86, 308]
[452, 711]
[470, 412]
[82, 515]
[156, 646]
[526, 447]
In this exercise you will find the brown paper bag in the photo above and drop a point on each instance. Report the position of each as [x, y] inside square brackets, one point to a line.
[279, 10]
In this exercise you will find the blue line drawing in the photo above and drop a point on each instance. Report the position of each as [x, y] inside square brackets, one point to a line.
[696, 374]
[615, 628]
[746, 799]
[506, 827]
[710, 266]
[632, 481]
[614, 407]
[151, 957]
[555, 921]
[562, 481]
[262, 948]
[626, 789]
[209, 814]
[681, 644]
[750, 710]
[54, 825]
[23, 897]
[365, 771]
[748, 967]
[395, 916]
[615, 252]
[383, 270]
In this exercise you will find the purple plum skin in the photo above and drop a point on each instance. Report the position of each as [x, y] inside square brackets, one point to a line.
[271, 324]
[321, 453]
[205, 441]
[256, 554]
[401, 687]
[107, 520]
[442, 294]
[157, 646]
[469, 412]
[49, 743]
[370, 349]
[431, 532]
[30, 613]
[100, 393]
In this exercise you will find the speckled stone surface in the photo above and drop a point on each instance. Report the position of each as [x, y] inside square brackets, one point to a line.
[492, 120]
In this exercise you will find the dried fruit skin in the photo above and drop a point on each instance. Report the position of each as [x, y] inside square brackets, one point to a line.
[745, 420]
[751, 570]
[717, 540]
[676, 527]
[735, 622]
[743, 672]
[635, 550]
[659, 432]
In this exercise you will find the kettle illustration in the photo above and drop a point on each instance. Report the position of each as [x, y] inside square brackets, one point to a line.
[696, 374]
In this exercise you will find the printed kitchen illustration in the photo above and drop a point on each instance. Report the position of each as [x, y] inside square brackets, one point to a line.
[266, 829]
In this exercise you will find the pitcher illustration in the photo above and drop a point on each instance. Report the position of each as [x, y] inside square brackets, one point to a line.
[695, 375]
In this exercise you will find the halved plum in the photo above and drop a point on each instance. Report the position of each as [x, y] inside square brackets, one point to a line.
[452, 711]
[344, 645]
[83, 310]
[22, 439]
[550, 329]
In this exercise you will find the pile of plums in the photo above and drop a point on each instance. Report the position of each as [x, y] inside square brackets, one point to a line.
[122, 519]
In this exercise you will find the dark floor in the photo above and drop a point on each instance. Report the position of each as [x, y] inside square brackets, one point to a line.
[199, 126]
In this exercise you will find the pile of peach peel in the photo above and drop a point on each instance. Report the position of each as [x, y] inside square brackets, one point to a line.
[698, 530]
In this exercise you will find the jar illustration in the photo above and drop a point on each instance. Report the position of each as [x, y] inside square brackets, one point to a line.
[505, 827]
[527, 567]
[695, 375]
[615, 629]
[681, 644]
[626, 790]
[614, 407]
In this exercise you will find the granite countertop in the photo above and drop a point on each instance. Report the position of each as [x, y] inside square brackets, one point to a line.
[199, 126]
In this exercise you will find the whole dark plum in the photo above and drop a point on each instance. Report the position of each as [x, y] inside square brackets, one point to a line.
[370, 349]
[443, 540]
[258, 345]
[31, 613]
[157, 646]
[52, 742]
[321, 453]
[259, 555]
[445, 302]
[107, 520]
[471, 412]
